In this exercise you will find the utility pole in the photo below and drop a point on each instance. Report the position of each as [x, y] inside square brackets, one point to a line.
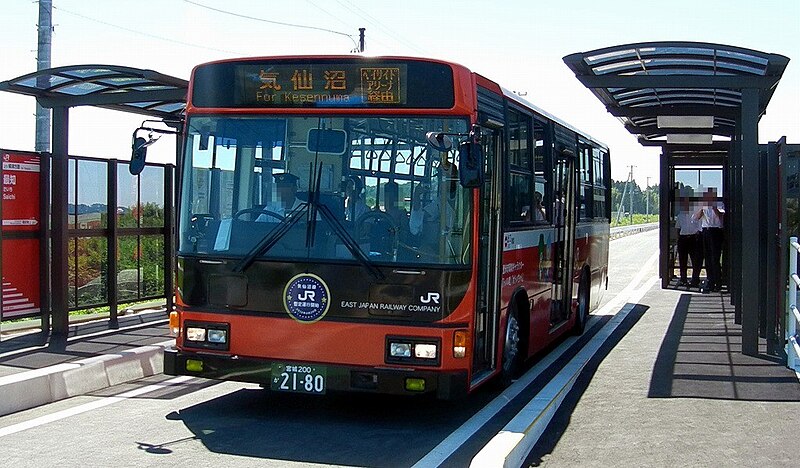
[647, 200]
[45, 28]
[621, 201]
[630, 177]
[361, 39]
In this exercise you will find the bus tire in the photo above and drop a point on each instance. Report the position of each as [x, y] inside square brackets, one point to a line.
[512, 356]
[582, 312]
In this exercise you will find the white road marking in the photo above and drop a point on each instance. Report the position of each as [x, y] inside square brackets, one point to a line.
[106, 401]
[458, 437]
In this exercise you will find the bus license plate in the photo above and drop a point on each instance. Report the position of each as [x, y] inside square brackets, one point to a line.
[298, 378]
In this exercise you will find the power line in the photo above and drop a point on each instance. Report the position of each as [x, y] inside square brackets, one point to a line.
[380, 26]
[281, 23]
[341, 21]
[161, 38]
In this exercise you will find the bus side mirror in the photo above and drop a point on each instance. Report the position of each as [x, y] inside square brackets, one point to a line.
[470, 162]
[138, 155]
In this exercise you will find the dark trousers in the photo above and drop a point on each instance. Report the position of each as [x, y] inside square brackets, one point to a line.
[690, 246]
[712, 251]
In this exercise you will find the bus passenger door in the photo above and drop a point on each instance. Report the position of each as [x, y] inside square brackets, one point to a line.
[564, 242]
[487, 319]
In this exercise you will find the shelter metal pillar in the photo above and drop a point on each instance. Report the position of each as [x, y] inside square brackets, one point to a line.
[169, 237]
[751, 219]
[771, 250]
[664, 220]
[45, 228]
[60, 234]
[112, 243]
[733, 222]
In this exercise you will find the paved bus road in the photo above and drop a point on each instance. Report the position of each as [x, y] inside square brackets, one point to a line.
[183, 421]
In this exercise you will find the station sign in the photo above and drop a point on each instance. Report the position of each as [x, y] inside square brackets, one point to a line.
[21, 225]
[20, 192]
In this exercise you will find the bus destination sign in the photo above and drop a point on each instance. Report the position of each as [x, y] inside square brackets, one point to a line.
[321, 85]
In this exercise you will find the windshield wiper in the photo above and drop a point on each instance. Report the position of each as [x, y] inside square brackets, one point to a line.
[271, 238]
[349, 242]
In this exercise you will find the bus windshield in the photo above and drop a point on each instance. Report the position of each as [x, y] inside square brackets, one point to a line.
[317, 188]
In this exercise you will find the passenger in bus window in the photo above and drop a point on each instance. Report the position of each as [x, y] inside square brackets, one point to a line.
[286, 195]
[391, 205]
[559, 209]
[425, 223]
[539, 216]
[354, 204]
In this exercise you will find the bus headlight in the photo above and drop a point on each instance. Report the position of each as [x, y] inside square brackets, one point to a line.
[207, 335]
[412, 350]
[400, 350]
[425, 351]
[195, 334]
[217, 336]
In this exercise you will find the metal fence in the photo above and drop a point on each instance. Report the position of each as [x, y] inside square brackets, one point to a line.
[119, 228]
[793, 315]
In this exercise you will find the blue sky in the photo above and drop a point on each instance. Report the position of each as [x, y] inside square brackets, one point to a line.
[519, 44]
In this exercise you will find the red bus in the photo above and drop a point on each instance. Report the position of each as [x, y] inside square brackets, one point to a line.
[390, 225]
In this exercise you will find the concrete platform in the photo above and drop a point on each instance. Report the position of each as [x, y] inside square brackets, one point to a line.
[676, 391]
[36, 370]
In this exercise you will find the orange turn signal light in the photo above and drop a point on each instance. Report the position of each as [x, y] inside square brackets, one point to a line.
[174, 323]
[460, 340]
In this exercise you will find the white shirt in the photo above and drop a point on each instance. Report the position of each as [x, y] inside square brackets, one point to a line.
[687, 224]
[709, 219]
[277, 207]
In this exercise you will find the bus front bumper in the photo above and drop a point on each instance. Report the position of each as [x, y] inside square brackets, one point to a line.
[392, 381]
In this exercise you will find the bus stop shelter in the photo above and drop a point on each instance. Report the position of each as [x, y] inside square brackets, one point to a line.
[701, 104]
[126, 89]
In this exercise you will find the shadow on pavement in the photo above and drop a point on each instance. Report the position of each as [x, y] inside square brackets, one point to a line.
[555, 429]
[701, 357]
[337, 429]
[352, 429]
[38, 350]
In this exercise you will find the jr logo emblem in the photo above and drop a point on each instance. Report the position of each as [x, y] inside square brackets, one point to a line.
[431, 297]
[306, 298]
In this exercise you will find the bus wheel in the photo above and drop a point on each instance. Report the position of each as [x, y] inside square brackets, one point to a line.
[511, 352]
[583, 308]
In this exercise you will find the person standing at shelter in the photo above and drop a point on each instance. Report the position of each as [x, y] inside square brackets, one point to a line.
[690, 242]
[710, 217]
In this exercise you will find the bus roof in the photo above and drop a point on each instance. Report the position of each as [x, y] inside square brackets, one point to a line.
[524, 102]
[507, 93]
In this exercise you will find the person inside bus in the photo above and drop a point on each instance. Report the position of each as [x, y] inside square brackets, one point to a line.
[388, 227]
[710, 217]
[539, 216]
[690, 242]
[391, 204]
[559, 209]
[285, 196]
[354, 204]
[425, 223]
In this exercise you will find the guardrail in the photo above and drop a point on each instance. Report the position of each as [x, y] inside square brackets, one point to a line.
[622, 231]
[793, 315]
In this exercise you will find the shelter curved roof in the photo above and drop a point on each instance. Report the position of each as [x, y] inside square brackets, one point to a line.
[660, 89]
[109, 86]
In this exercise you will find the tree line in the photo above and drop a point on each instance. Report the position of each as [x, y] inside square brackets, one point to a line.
[643, 200]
